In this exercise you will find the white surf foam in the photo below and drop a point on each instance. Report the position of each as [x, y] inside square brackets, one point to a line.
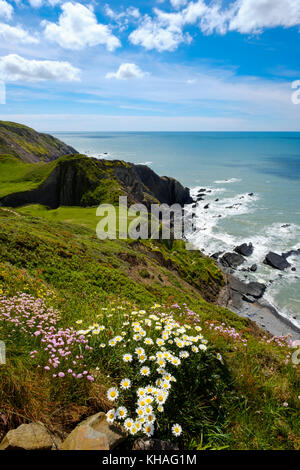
[211, 237]
[232, 180]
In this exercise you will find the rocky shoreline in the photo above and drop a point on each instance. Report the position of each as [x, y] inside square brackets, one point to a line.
[247, 298]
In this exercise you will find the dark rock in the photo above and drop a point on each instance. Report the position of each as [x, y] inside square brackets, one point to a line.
[294, 269]
[291, 253]
[202, 190]
[232, 260]
[251, 194]
[276, 261]
[244, 249]
[207, 206]
[248, 298]
[216, 200]
[200, 199]
[253, 289]
[285, 225]
[216, 255]
[167, 190]
[253, 268]
[153, 444]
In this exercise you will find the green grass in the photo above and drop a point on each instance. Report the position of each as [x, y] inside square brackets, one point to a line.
[16, 175]
[237, 406]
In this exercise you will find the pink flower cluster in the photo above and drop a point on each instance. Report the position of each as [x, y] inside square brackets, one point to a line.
[228, 332]
[61, 349]
[281, 341]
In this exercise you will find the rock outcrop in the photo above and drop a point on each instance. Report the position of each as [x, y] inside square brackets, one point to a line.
[153, 444]
[95, 433]
[33, 436]
[276, 261]
[167, 190]
[232, 260]
[244, 249]
[237, 291]
[78, 180]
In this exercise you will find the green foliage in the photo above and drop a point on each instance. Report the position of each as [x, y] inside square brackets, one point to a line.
[237, 404]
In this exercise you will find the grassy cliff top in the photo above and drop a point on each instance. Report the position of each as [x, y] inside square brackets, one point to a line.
[29, 145]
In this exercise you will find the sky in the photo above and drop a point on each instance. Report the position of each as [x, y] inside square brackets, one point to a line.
[161, 65]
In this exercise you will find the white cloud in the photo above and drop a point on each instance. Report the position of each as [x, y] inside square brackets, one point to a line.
[14, 68]
[153, 34]
[126, 71]
[178, 3]
[129, 12]
[6, 10]
[255, 15]
[165, 31]
[39, 3]
[15, 34]
[36, 3]
[77, 28]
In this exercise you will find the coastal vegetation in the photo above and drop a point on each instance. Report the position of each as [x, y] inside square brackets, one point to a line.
[74, 311]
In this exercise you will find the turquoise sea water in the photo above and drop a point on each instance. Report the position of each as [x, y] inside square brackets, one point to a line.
[231, 165]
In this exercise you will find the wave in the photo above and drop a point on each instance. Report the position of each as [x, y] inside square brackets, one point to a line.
[232, 180]
[223, 226]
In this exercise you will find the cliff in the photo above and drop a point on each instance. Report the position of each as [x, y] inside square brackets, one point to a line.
[77, 180]
[29, 145]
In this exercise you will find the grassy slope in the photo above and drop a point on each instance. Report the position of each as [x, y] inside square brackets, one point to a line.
[86, 274]
[16, 176]
[98, 182]
[28, 145]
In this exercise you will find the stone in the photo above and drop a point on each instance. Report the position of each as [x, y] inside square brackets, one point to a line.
[33, 436]
[252, 289]
[291, 253]
[207, 206]
[95, 433]
[153, 444]
[216, 255]
[244, 249]
[276, 261]
[232, 260]
[253, 268]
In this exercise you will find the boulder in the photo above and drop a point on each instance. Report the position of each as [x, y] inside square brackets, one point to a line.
[216, 255]
[33, 436]
[253, 268]
[291, 253]
[206, 206]
[95, 433]
[276, 261]
[244, 249]
[232, 260]
[252, 289]
[153, 444]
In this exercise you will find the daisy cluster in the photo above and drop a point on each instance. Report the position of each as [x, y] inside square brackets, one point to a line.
[62, 350]
[152, 349]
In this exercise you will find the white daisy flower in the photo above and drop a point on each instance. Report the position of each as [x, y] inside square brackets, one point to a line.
[125, 384]
[176, 430]
[112, 394]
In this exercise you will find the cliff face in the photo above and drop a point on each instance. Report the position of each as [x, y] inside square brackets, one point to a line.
[78, 180]
[29, 145]
[166, 190]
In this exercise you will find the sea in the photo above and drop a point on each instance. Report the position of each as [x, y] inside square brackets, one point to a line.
[231, 165]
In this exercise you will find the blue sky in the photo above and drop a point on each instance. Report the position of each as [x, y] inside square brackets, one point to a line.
[142, 65]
